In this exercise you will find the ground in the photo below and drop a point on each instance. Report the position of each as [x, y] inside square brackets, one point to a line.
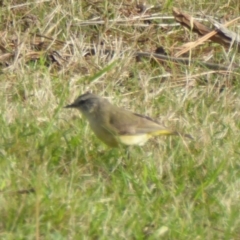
[58, 181]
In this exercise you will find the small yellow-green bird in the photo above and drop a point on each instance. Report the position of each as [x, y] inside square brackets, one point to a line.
[114, 125]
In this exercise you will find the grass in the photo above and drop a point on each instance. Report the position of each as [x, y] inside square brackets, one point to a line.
[58, 181]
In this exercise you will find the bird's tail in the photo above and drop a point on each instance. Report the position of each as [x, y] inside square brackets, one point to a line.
[170, 132]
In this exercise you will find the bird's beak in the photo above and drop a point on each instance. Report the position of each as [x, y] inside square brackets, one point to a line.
[70, 106]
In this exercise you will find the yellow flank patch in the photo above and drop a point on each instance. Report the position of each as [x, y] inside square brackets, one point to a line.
[140, 139]
[134, 139]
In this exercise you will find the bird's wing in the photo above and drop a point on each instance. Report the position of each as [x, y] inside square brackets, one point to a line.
[124, 122]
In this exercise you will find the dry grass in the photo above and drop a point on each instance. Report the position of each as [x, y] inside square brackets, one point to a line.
[58, 181]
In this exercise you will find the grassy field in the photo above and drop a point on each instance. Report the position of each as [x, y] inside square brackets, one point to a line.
[58, 181]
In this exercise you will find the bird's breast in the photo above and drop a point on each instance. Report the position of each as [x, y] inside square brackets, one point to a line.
[103, 134]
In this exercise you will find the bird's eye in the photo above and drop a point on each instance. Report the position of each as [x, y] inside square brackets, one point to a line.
[82, 101]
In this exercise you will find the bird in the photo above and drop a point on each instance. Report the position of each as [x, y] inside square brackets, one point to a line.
[114, 125]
